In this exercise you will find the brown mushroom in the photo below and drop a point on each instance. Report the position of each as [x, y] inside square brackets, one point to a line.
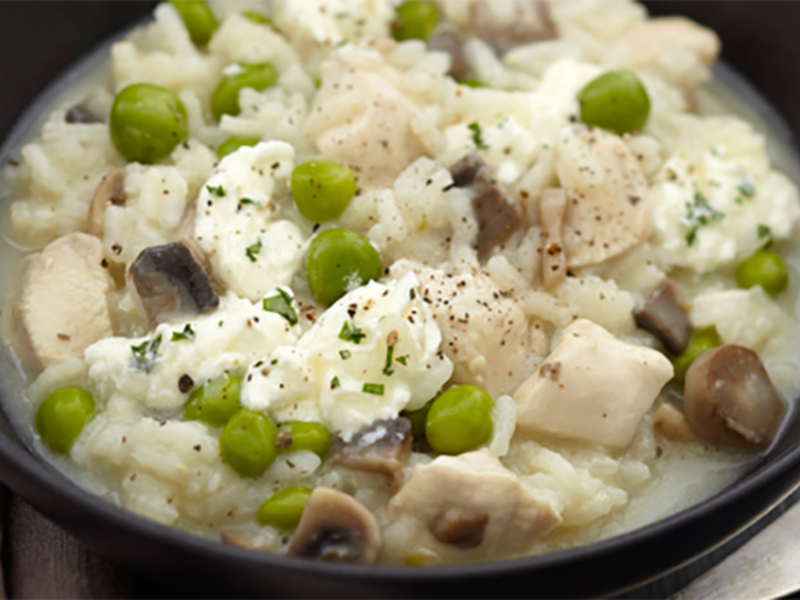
[730, 400]
[664, 315]
[170, 281]
[448, 42]
[110, 191]
[336, 528]
[81, 114]
[498, 215]
[552, 206]
[459, 528]
[532, 23]
[384, 447]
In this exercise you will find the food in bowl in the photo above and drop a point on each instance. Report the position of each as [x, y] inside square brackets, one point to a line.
[417, 283]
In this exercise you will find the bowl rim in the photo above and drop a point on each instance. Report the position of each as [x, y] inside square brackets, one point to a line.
[29, 474]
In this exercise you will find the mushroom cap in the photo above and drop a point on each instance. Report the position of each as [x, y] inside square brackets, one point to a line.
[111, 190]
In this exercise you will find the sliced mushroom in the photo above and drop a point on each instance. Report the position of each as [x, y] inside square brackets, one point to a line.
[384, 447]
[62, 306]
[170, 281]
[498, 215]
[529, 22]
[110, 191]
[336, 528]
[448, 42]
[460, 528]
[730, 399]
[81, 114]
[671, 423]
[664, 315]
[552, 207]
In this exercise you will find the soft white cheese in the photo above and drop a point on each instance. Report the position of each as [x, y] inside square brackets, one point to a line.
[250, 250]
[229, 339]
[333, 21]
[328, 379]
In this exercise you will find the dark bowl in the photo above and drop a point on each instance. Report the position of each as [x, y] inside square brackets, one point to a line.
[41, 39]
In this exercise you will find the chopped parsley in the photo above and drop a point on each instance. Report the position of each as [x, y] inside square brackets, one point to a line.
[387, 368]
[351, 334]
[246, 201]
[765, 236]
[341, 15]
[218, 190]
[258, 364]
[252, 250]
[274, 361]
[373, 388]
[186, 334]
[477, 136]
[145, 354]
[746, 187]
[699, 213]
[281, 304]
[401, 360]
[335, 383]
[345, 354]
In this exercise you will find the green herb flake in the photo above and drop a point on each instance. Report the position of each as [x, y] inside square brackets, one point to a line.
[335, 383]
[765, 236]
[691, 236]
[258, 364]
[186, 334]
[252, 250]
[477, 136]
[247, 201]
[281, 304]
[351, 334]
[345, 354]
[373, 388]
[699, 213]
[387, 368]
[145, 354]
[274, 361]
[218, 190]
[220, 323]
[341, 15]
[402, 360]
[746, 187]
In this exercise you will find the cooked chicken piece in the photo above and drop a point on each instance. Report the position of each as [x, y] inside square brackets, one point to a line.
[360, 118]
[471, 502]
[170, 281]
[552, 206]
[384, 447]
[498, 215]
[730, 399]
[335, 527]
[665, 315]
[592, 387]
[448, 42]
[110, 191]
[484, 331]
[671, 423]
[646, 42]
[607, 212]
[62, 304]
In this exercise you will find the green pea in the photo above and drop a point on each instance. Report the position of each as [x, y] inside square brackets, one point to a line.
[62, 416]
[225, 100]
[233, 144]
[701, 340]
[198, 19]
[322, 189]
[616, 101]
[284, 509]
[300, 435]
[473, 83]
[147, 122]
[337, 260]
[764, 268]
[247, 443]
[216, 402]
[415, 20]
[256, 17]
[459, 420]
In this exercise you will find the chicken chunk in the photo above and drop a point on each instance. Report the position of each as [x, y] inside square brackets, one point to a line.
[607, 212]
[472, 503]
[485, 333]
[360, 118]
[62, 306]
[592, 387]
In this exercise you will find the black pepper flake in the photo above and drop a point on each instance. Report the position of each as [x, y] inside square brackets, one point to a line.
[197, 448]
[117, 249]
[185, 383]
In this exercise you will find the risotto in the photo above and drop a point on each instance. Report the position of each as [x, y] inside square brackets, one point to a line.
[403, 283]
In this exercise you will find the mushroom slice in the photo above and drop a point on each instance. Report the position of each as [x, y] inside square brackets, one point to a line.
[730, 400]
[664, 315]
[336, 528]
[81, 114]
[552, 206]
[459, 528]
[498, 215]
[607, 212]
[62, 305]
[448, 42]
[170, 281]
[110, 191]
[384, 447]
[527, 21]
